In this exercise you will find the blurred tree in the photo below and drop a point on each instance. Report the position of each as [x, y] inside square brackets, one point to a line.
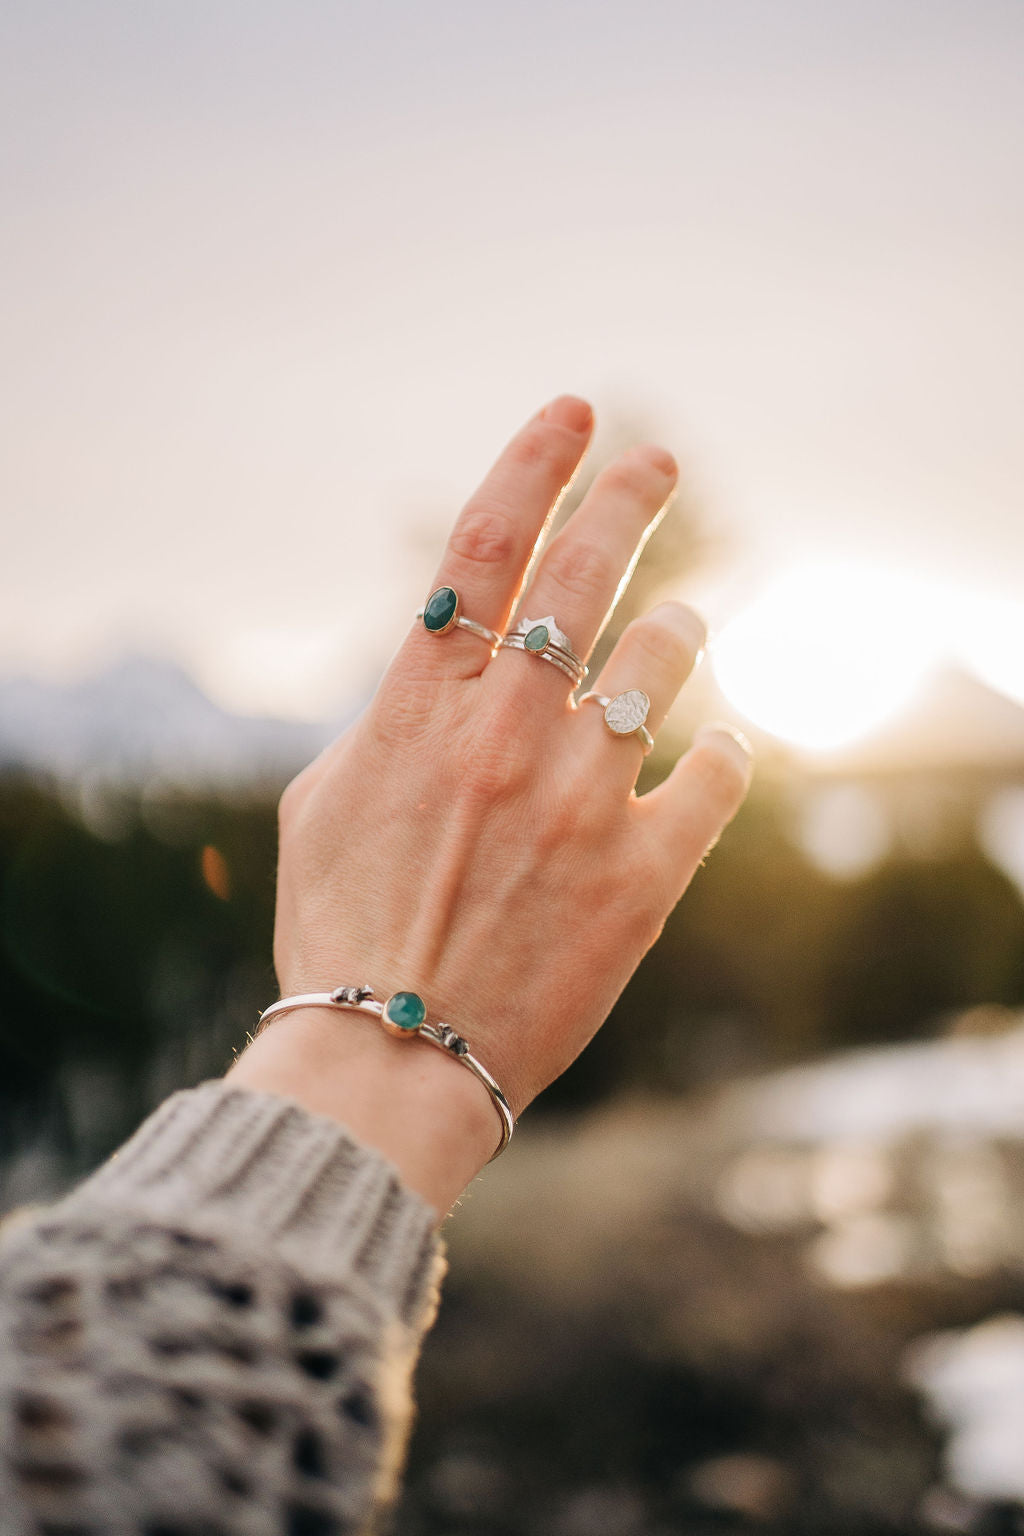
[123, 974]
[919, 939]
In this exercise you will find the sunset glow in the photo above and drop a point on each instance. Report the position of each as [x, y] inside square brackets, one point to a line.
[828, 652]
[992, 644]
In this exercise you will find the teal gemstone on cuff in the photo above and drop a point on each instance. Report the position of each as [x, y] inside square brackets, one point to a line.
[537, 638]
[405, 1010]
[439, 610]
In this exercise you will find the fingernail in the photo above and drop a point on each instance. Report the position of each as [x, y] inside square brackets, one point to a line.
[688, 622]
[731, 741]
[663, 460]
[569, 411]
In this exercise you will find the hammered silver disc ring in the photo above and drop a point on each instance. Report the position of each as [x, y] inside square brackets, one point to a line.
[625, 714]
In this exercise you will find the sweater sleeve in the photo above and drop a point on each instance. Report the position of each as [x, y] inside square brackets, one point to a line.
[215, 1332]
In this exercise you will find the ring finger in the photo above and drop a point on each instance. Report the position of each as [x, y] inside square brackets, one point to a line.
[653, 658]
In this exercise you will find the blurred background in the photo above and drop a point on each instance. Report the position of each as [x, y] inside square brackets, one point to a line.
[278, 282]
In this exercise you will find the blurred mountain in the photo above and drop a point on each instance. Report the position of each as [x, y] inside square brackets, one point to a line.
[141, 720]
[145, 718]
[956, 721]
[953, 722]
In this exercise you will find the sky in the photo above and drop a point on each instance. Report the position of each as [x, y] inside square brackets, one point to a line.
[280, 279]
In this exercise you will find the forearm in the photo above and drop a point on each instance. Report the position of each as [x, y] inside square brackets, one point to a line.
[224, 1317]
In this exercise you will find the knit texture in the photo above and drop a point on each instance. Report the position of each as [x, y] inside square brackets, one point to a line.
[215, 1332]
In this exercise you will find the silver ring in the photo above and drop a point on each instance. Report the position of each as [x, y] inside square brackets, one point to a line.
[624, 715]
[543, 638]
[572, 672]
[440, 614]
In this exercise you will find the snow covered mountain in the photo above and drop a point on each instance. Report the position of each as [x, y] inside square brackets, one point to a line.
[145, 719]
[956, 721]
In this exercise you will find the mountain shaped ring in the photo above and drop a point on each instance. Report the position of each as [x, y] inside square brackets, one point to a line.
[440, 614]
[625, 714]
[543, 638]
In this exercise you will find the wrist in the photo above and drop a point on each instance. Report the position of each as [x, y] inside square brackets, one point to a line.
[421, 1109]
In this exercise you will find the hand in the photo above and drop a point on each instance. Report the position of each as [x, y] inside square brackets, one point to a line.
[475, 837]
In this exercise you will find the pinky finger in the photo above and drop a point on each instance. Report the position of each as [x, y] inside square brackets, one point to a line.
[694, 805]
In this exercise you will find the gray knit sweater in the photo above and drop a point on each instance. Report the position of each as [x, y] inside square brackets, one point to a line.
[215, 1332]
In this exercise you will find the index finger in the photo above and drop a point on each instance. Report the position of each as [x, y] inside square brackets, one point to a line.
[491, 545]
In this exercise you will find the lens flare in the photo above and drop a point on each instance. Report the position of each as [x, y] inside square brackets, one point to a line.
[829, 652]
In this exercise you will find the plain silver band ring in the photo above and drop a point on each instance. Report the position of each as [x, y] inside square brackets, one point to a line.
[490, 635]
[640, 731]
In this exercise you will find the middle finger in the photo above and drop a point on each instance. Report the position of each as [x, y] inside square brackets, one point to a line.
[580, 575]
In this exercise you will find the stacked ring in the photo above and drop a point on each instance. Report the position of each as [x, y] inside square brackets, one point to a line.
[440, 614]
[543, 638]
[624, 715]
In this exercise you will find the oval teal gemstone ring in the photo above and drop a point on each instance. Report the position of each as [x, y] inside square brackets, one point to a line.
[441, 610]
[440, 615]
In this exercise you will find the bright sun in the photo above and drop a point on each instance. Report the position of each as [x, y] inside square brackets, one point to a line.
[828, 652]
[992, 643]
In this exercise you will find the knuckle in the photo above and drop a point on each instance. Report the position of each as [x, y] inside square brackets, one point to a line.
[719, 776]
[645, 924]
[580, 570]
[401, 713]
[540, 446]
[560, 825]
[658, 644]
[639, 911]
[491, 769]
[634, 478]
[493, 778]
[486, 536]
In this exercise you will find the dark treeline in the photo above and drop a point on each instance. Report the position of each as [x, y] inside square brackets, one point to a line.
[687, 1363]
[135, 953]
